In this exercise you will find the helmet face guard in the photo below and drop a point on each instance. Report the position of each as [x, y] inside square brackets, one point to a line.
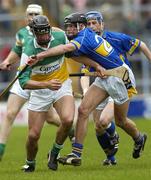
[43, 38]
[94, 15]
[97, 17]
[41, 29]
[71, 30]
[72, 24]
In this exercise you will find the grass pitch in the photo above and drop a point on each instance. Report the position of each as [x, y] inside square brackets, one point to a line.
[91, 169]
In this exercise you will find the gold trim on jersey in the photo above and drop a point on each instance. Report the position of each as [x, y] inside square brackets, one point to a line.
[61, 74]
[132, 49]
[18, 43]
[85, 70]
[131, 92]
[76, 43]
[122, 57]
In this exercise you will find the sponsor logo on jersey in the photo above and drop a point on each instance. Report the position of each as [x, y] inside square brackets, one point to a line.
[49, 69]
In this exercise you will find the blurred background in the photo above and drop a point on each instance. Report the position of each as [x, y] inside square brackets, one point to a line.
[132, 17]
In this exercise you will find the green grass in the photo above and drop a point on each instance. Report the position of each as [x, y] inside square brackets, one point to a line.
[91, 169]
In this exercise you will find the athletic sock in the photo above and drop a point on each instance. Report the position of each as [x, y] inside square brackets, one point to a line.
[111, 158]
[103, 140]
[111, 129]
[2, 149]
[139, 139]
[31, 163]
[56, 148]
[77, 149]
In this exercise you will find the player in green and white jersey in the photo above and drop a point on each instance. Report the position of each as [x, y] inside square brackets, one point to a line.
[50, 85]
[18, 96]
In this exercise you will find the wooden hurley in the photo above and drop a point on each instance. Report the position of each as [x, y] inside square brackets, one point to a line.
[120, 72]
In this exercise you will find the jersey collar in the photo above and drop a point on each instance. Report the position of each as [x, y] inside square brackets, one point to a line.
[29, 31]
[104, 35]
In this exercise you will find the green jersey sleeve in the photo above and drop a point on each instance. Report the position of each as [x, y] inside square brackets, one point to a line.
[24, 77]
[17, 48]
[22, 38]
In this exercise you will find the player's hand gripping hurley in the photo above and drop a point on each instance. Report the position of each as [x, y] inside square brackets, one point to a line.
[13, 81]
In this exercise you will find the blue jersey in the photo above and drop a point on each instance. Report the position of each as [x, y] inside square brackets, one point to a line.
[96, 48]
[123, 44]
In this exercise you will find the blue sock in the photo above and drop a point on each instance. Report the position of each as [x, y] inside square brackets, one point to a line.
[111, 129]
[103, 140]
[112, 158]
[77, 149]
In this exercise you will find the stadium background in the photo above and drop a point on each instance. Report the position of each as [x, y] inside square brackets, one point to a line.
[132, 17]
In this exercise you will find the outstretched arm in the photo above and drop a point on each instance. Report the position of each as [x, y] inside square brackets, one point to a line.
[145, 50]
[57, 50]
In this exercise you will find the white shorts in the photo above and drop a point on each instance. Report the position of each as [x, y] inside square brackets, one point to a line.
[102, 105]
[16, 89]
[115, 87]
[42, 99]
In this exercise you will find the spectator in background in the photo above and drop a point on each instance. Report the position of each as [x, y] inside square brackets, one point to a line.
[5, 10]
[148, 23]
[131, 25]
[79, 5]
[4, 77]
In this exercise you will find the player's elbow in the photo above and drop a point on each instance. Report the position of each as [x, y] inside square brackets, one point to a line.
[22, 84]
[143, 45]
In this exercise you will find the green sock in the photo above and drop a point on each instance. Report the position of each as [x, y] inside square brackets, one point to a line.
[2, 149]
[56, 148]
[31, 163]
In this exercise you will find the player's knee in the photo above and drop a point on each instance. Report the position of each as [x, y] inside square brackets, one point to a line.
[67, 121]
[52, 116]
[53, 120]
[33, 136]
[104, 123]
[98, 127]
[84, 112]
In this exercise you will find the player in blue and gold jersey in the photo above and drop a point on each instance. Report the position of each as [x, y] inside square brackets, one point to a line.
[124, 44]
